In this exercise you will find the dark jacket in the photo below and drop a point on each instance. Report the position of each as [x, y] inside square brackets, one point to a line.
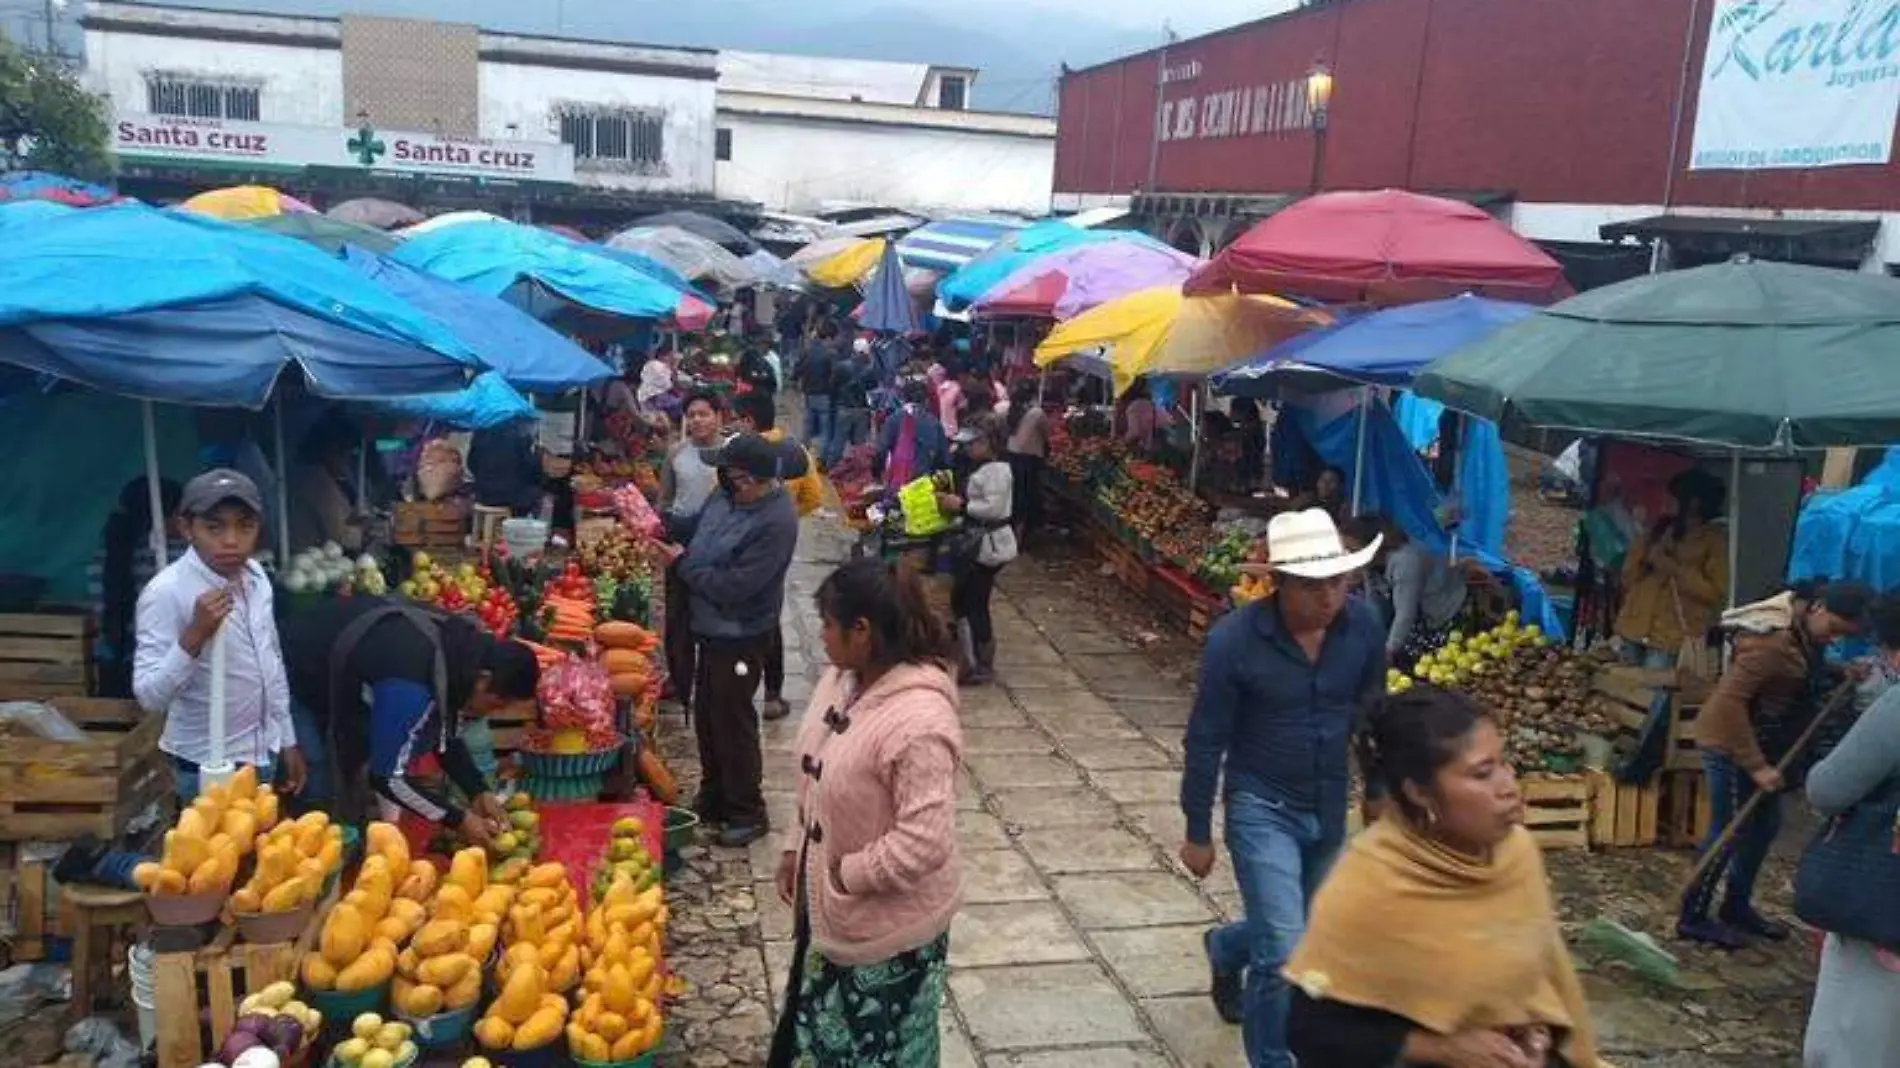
[505, 467]
[1764, 694]
[933, 446]
[852, 383]
[736, 564]
[1281, 725]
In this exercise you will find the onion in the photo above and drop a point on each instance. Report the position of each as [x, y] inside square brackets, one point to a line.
[236, 1043]
[257, 1057]
[283, 1034]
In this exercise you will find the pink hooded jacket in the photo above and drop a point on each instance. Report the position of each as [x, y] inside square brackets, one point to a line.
[877, 797]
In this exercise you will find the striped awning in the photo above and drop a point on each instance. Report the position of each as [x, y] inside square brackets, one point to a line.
[950, 243]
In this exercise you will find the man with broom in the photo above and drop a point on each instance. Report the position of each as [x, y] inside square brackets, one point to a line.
[1747, 733]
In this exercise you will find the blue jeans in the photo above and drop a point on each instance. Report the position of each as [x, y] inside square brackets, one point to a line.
[817, 421]
[320, 782]
[1280, 854]
[850, 428]
[1730, 787]
[185, 777]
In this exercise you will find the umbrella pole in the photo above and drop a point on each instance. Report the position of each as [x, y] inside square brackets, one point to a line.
[1194, 435]
[1457, 487]
[283, 488]
[149, 417]
[362, 474]
[580, 425]
[1359, 451]
[1734, 520]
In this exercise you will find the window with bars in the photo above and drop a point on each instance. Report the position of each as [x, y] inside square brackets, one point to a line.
[168, 95]
[634, 137]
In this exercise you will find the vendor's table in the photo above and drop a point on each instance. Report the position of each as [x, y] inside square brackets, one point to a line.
[577, 834]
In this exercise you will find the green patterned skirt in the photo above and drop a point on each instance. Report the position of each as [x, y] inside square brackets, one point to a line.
[881, 1015]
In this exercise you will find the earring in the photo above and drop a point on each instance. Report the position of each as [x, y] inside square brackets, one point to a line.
[1431, 816]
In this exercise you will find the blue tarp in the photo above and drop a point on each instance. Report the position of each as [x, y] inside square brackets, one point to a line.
[887, 305]
[1384, 348]
[975, 278]
[28, 212]
[1852, 534]
[1418, 419]
[646, 264]
[182, 308]
[495, 256]
[488, 402]
[526, 353]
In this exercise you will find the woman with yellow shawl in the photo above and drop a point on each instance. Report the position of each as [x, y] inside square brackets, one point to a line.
[1434, 941]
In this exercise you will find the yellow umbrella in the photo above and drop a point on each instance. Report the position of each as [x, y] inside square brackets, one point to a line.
[1160, 331]
[245, 202]
[846, 268]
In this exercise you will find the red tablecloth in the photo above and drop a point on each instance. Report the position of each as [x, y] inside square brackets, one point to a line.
[576, 834]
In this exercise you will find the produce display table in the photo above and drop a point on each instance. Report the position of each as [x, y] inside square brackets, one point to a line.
[577, 834]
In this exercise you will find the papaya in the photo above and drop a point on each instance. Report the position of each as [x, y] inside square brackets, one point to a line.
[615, 634]
[629, 683]
[619, 661]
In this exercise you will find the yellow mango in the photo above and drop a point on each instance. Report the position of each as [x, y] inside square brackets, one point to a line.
[464, 993]
[345, 935]
[243, 784]
[468, 869]
[445, 970]
[540, 897]
[385, 840]
[169, 882]
[552, 874]
[481, 940]
[419, 883]
[288, 895]
[241, 826]
[407, 962]
[145, 876]
[539, 1029]
[318, 974]
[422, 999]
[266, 811]
[378, 886]
[610, 1026]
[245, 899]
[618, 994]
[392, 929]
[566, 971]
[440, 936]
[626, 1048]
[452, 903]
[184, 853]
[494, 1032]
[593, 1048]
[372, 969]
[204, 878]
[192, 824]
[520, 995]
[330, 855]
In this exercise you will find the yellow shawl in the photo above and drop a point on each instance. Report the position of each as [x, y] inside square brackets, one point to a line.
[1408, 927]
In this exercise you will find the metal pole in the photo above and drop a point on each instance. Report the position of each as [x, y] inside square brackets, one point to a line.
[1194, 435]
[362, 474]
[149, 417]
[283, 488]
[1359, 451]
[1734, 520]
[1457, 486]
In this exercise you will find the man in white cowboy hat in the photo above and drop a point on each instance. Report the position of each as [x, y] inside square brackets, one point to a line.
[1283, 682]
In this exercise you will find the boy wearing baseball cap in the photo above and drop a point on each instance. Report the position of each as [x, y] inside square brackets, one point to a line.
[214, 587]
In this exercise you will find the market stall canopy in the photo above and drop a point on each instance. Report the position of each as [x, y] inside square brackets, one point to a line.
[167, 306]
[541, 272]
[27, 212]
[824, 248]
[948, 244]
[525, 353]
[376, 212]
[1021, 248]
[849, 266]
[487, 402]
[1384, 348]
[56, 188]
[327, 233]
[1749, 354]
[1383, 247]
[718, 231]
[772, 271]
[1160, 331]
[245, 202]
[450, 218]
[691, 255]
[1065, 284]
[887, 303]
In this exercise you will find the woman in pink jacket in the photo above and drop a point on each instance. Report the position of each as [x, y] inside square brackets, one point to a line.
[872, 872]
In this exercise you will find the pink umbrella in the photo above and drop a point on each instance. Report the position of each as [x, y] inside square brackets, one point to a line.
[1064, 284]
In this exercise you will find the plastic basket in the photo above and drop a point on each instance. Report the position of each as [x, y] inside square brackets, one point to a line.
[567, 765]
[575, 788]
[185, 910]
[264, 928]
[682, 826]
[524, 537]
[344, 1006]
[442, 1029]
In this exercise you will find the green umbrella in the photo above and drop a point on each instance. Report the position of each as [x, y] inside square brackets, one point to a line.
[326, 233]
[1746, 354]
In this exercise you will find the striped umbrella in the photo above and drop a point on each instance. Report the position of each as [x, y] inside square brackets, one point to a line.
[948, 244]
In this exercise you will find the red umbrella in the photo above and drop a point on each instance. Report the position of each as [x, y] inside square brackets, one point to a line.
[1383, 247]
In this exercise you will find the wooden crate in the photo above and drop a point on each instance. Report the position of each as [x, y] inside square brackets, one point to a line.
[1622, 815]
[192, 986]
[33, 887]
[54, 791]
[49, 653]
[1624, 694]
[1684, 754]
[429, 524]
[1557, 810]
[1684, 811]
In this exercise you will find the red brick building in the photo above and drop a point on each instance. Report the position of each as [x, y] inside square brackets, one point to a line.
[1567, 118]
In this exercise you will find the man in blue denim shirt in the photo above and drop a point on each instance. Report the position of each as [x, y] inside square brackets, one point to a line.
[1283, 683]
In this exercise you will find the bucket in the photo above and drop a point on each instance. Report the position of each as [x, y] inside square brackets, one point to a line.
[524, 537]
[138, 968]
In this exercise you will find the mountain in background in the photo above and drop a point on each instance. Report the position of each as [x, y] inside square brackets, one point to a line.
[1018, 49]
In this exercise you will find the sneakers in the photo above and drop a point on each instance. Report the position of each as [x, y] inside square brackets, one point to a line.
[1745, 919]
[1710, 932]
[774, 708]
[1225, 989]
[740, 835]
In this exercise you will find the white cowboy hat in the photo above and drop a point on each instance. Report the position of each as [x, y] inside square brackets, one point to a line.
[1306, 545]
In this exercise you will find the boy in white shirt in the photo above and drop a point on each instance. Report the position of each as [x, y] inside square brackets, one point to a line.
[217, 586]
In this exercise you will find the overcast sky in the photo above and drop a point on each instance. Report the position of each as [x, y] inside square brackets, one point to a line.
[1188, 17]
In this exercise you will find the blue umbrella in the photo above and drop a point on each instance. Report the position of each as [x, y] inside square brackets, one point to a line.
[487, 402]
[527, 354]
[26, 212]
[1384, 348]
[1018, 249]
[503, 259]
[887, 305]
[42, 185]
[173, 307]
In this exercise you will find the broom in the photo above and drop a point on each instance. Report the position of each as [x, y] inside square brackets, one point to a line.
[1639, 950]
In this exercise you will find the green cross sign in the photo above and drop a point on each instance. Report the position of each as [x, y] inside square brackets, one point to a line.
[366, 146]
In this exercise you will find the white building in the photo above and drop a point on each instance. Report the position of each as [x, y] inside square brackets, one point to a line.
[800, 134]
[420, 111]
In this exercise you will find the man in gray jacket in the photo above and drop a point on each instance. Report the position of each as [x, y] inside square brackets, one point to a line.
[735, 570]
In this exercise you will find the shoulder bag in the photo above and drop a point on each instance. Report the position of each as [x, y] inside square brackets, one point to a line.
[1848, 881]
[1694, 660]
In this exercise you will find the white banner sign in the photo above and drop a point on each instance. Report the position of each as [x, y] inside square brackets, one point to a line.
[266, 145]
[1798, 83]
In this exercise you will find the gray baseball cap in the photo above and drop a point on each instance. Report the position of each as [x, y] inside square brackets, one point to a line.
[214, 487]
